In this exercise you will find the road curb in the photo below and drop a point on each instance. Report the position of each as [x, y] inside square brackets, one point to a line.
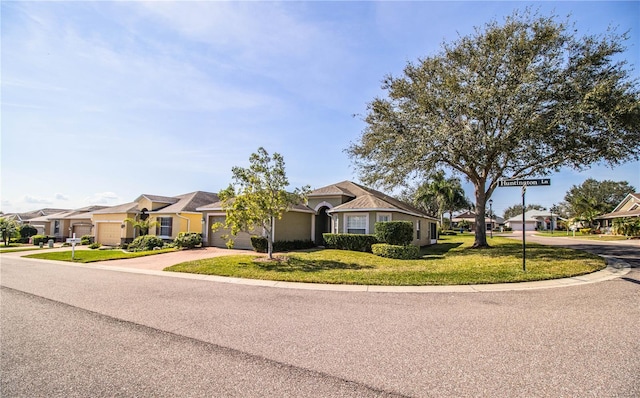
[615, 268]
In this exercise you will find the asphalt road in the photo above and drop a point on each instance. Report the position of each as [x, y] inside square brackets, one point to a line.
[77, 331]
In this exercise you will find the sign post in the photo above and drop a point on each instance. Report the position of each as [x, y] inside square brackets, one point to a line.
[524, 184]
[73, 242]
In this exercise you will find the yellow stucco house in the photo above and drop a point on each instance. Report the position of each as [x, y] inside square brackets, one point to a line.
[174, 214]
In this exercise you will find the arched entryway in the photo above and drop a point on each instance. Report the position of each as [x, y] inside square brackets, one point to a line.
[323, 224]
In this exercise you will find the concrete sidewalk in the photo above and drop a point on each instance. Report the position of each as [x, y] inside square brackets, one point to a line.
[153, 265]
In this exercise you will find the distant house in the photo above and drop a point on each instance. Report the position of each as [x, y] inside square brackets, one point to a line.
[344, 207]
[629, 207]
[174, 214]
[535, 220]
[470, 218]
[64, 224]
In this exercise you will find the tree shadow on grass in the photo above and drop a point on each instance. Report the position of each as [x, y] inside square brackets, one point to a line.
[438, 251]
[292, 264]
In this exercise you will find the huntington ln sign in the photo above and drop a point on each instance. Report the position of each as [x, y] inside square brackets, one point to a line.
[521, 183]
[535, 182]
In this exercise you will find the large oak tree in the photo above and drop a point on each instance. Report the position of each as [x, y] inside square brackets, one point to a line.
[519, 99]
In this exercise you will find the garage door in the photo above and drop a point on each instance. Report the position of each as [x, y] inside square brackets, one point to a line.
[518, 226]
[108, 234]
[81, 229]
[216, 239]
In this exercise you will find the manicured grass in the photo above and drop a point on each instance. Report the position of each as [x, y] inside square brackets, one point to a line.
[450, 262]
[580, 235]
[89, 256]
[20, 249]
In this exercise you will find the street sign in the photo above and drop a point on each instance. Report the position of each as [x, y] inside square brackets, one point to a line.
[73, 242]
[521, 183]
[516, 182]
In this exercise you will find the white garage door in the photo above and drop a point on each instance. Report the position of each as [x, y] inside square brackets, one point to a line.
[216, 239]
[108, 234]
[518, 226]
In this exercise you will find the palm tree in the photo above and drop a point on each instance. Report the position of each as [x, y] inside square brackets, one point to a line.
[143, 225]
[8, 228]
[445, 193]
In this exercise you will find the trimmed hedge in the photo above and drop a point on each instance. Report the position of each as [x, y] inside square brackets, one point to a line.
[86, 240]
[448, 232]
[188, 240]
[36, 239]
[260, 244]
[355, 242]
[394, 232]
[399, 252]
[146, 242]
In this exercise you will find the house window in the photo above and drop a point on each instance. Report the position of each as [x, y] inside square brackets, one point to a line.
[383, 217]
[357, 224]
[56, 227]
[418, 229]
[165, 228]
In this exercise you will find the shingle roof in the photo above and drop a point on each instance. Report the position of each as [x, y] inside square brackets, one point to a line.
[131, 207]
[189, 202]
[366, 199]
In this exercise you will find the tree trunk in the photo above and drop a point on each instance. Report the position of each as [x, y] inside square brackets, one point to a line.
[481, 228]
[270, 239]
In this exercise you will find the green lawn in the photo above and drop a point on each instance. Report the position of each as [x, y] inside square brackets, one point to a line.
[13, 249]
[450, 262]
[89, 256]
[580, 235]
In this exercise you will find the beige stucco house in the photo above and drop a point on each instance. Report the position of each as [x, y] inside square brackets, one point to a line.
[174, 214]
[344, 207]
[629, 207]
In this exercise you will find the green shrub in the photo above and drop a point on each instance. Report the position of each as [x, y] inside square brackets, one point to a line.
[448, 232]
[259, 244]
[41, 238]
[86, 240]
[407, 252]
[188, 240]
[95, 245]
[585, 231]
[146, 242]
[394, 232]
[355, 242]
[27, 231]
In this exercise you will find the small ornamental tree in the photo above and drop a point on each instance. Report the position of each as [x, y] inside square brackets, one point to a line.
[257, 196]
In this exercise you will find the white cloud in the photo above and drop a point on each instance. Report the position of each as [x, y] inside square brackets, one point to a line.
[102, 198]
[37, 200]
[60, 196]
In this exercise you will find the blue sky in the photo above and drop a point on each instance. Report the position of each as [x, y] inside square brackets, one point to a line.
[104, 101]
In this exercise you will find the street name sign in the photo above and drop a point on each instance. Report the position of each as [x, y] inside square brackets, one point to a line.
[521, 183]
[516, 182]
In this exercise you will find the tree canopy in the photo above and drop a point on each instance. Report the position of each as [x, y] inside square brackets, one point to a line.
[593, 198]
[516, 209]
[513, 100]
[258, 196]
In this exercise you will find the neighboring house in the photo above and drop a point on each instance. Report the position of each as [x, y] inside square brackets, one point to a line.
[26, 218]
[174, 214]
[629, 207]
[535, 220]
[470, 218]
[345, 207]
[64, 224]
